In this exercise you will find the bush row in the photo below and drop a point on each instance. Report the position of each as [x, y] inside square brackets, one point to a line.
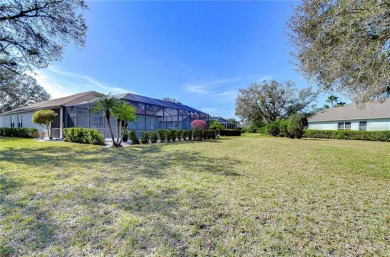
[293, 127]
[170, 136]
[19, 132]
[349, 135]
[231, 132]
[83, 136]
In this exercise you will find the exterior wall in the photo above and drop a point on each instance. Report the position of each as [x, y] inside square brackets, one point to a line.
[5, 121]
[378, 124]
[328, 125]
[372, 125]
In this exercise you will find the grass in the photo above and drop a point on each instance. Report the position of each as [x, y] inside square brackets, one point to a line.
[244, 196]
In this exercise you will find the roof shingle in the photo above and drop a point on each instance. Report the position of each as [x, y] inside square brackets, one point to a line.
[372, 110]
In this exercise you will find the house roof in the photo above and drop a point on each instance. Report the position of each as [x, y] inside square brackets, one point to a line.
[63, 101]
[153, 101]
[219, 119]
[371, 110]
[88, 96]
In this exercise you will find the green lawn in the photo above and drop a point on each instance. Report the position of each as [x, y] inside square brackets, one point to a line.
[244, 196]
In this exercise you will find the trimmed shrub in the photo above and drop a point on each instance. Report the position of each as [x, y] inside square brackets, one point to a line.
[190, 134]
[145, 137]
[179, 135]
[297, 124]
[83, 136]
[162, 135]
[153, 137]
[18, 132]
[45, 117]
[171, 135]
[349, 135]
[133, 137]
[231, 132]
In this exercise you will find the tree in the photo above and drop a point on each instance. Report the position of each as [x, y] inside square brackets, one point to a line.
[340, 104]
[34, 32]
[332, 100]
[297, 124]
[45, 118]
[172, 100]
[215, 125]
[270, 100]
[106, 103]
[343, 45]
[20, 90]
[124, 113]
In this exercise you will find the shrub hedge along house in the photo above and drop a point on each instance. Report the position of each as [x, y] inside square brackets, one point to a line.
[73, 111]
[373, 116]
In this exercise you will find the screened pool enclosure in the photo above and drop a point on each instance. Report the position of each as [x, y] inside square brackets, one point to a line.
[152, 114]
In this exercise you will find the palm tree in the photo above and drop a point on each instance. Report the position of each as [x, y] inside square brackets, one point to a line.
[106, 103]
[123, 113]
[332, 100]
[340, 104]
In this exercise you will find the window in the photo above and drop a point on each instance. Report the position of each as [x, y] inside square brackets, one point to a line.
[12, 121]
[344, 126]
[363, 125]
[20, 121]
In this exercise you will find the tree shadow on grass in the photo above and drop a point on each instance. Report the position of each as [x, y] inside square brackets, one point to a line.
[109, 205]
[21, 220]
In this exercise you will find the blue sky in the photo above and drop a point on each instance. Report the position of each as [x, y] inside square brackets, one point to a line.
[200, 53]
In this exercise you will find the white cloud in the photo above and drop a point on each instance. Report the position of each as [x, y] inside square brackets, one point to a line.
[61, 83]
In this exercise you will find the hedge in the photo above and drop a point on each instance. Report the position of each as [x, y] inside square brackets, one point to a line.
[231, 132]
[18, 132]
[83, 136]
[349, 134]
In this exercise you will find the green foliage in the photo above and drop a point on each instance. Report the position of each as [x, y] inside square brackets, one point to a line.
[171, 135]
[145, 136]
[133, 137]
[244, 129]
[231, 132]
[215, 125]
[190, 134]
[153, 137]
[349, 134]
[44, 117]
[179, 134]
[263, 130]
[296, 125]
[283, 131]
[18, 132]
[83, 136]
[273, 128]
[162, 135]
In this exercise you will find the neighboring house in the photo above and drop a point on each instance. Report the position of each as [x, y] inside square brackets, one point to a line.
[73, 111]
[225, 123]
[372, 116]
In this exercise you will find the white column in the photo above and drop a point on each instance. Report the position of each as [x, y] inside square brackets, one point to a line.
[61, 121]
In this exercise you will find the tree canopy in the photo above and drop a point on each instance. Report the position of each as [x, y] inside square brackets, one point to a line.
[34, 32]
[344, 45]
[18, 91]
[271, 100]
[45, 117]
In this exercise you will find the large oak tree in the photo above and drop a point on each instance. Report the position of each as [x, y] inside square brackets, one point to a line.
[271, 100]
[344, 45]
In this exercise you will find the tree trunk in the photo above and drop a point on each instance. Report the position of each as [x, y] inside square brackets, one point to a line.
[118, 121]
[48, 131]
[109, 126]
